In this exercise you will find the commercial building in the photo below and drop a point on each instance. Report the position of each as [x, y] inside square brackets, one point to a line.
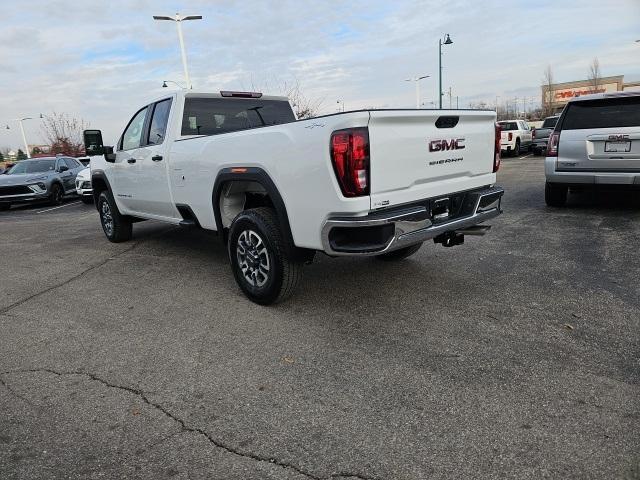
[560, 93]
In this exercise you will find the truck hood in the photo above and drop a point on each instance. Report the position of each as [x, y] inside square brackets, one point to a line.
[22, 178]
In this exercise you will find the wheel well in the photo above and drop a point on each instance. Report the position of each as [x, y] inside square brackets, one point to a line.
[238, 195]
[98, 185]
[252, 188]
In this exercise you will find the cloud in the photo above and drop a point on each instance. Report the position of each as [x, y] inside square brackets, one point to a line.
[101, 60]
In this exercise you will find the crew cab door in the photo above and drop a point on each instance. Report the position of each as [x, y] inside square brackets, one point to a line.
[140, 171]
[527, 136]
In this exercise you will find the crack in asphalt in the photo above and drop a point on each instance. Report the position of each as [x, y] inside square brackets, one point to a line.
[13, 392]
[183, 424]
[4, 310]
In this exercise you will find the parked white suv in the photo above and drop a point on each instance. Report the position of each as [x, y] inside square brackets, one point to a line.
[83, 185]
[516, 135]
[595, 142]
[277, 189]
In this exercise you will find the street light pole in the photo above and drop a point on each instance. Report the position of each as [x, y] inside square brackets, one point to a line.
[417, 81]
[179, 19]
[447, 41]
[24, 137]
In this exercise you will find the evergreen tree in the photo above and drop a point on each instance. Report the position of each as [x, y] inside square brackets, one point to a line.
[21, 155]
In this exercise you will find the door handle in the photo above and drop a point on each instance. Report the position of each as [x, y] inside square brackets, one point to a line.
[131, 160]
[156, 158]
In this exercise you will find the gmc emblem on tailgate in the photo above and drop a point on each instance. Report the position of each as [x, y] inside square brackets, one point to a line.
[618, 137]
[442, 145]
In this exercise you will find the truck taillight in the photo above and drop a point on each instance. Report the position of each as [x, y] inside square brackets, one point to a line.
[510, 136]
[552, 145]
[496, 152]
[533, 134]
[350, 157]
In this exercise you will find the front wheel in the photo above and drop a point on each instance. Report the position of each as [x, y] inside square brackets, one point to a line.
[260, 258]
[400, 254]
[555, 194]
[57, 195]
[117, 228]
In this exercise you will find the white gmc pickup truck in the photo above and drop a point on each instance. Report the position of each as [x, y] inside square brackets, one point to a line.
[278, 189]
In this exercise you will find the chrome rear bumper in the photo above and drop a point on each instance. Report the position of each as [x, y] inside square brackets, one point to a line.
[392, 230]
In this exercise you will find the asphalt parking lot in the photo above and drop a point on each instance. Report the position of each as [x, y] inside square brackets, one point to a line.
[513, 356]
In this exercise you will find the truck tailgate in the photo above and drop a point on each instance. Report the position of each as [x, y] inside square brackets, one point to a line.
[417, 154]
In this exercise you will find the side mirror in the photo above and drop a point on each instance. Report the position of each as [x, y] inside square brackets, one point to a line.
[93, 144]
[63, 168]
[109, 156]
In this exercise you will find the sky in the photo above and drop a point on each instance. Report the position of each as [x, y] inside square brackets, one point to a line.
[101, 60]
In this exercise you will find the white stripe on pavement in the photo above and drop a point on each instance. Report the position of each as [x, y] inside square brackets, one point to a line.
[55, 208]
[526, 156]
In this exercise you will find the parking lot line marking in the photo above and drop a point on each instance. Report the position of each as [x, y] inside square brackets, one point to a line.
[55, 208]
[526, 156]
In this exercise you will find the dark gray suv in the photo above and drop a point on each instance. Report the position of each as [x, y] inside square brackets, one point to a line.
[45, 178]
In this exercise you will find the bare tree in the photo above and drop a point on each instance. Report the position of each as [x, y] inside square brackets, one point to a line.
[594, 74]
[303, 106]
[64, 133]
[547, 91]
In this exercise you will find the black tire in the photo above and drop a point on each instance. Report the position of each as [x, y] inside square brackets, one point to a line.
[537, 152]
[88, 199]
[260, 259]
[516, 149]
[555, 194]
[117, 228]
[4, 207]
[400, 254]
[56, 197]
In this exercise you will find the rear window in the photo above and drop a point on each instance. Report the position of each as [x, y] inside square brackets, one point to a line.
[211, 116]
[550, 122]
[602, 113]
[508, 126]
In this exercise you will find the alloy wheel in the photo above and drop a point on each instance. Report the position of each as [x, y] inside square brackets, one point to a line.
[107, 218]
[253, 258]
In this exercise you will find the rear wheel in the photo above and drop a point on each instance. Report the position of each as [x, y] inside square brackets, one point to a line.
[555, 194]
[88, 199]
[399, 254]
[57, 194]
[260, 258]
[537, 152]
[516, 149]
[117, 228]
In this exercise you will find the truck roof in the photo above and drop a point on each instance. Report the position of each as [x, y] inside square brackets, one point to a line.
[209, 94]
[596, 96]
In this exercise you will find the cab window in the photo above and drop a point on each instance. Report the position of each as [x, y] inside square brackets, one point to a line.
[133, 134]
[158, 124]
